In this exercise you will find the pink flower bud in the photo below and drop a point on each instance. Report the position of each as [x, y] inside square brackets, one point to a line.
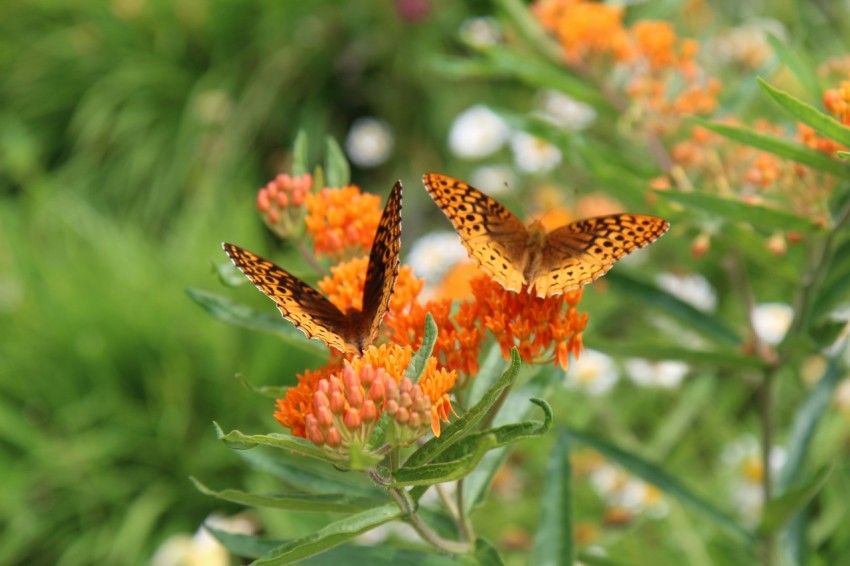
[402, 415]
[324, 416]
[337, 402]
[391, 387]
[354, 396]
[367, 375]
[351, 418]
[324, 386]
[415, 421]
[377, 390]
[282, 200]
[405, 401]
[273, 216]
[391, 407]
[405, 386]
[320, 400]
[369, 412]
[333, 438]
[263, 201]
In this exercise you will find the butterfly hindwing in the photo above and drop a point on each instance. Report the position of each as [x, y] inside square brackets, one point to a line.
[299, 303]
[494, 237]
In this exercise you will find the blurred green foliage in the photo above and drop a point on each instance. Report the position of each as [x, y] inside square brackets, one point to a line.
[132, 137]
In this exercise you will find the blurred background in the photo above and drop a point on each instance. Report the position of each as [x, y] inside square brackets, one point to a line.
[133, 137]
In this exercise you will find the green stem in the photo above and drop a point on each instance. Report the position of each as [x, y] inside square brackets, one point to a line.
[467, 533]
[408, 507]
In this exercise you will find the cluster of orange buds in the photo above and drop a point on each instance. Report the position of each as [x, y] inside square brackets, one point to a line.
[346, 407]
[280, 202]
[837, 102]
[342, 221]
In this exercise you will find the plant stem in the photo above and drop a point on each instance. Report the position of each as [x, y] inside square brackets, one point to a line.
[467, 533]
[408, 507]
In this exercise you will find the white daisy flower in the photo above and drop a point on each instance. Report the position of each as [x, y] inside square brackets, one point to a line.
[593, 372]
[533, 154]
[743, 457]
[477, 132]
[433, 255]
[481, 32]
[667, 374]
[202, 547]
[564, 111]
[693, 289]
[369, 142]
[771, 321]
[494, 179]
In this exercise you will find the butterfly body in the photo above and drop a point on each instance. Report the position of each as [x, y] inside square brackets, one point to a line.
[530, 257]
[352, 331]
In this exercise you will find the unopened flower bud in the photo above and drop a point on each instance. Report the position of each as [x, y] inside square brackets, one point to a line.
[337, 402]
[351, 418]
[320, 400]
[368, 412]
[402, 415]
[701, 245]
[776, 244]
[314, 433]
[282, 200]
[405, 401]
[333, 438]
[367, 375]
[263, 201]
[377, 390]
[324, 416]
[405, 386]
[273, 216]
[392, 406]
[415, 421]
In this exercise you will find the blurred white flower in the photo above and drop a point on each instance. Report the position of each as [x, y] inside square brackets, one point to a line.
[693, 289]
[618, 488]
[593, 372]
[494, 179]
[477, 132]
[481, 32]
[533, 154]
[771, 321]
[746, 45]
[369, 142]
[202, 549]
[667, 374]
[564, 111]
[743, 458]
[432, 255]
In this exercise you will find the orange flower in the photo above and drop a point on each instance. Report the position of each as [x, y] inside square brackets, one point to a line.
[586, 28]
[837, 101]
[296, 404]
[342, 221]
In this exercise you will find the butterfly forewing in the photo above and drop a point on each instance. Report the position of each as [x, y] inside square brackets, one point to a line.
[299, 303]
[383, 266]
[494, 237]
[550, 264]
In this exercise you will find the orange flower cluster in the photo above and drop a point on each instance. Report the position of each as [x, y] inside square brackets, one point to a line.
[337, 406]
[280, 202]
[662, 77]
[342, 220]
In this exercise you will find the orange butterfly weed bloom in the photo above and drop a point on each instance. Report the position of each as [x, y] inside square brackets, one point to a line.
[585, 28]
[335, 406]
[342, 220]
[837, 101]
[280, 202]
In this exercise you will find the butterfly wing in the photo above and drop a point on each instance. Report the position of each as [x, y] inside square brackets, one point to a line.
[494, 237]
[382, 271]
[299, 303]
[583, 251]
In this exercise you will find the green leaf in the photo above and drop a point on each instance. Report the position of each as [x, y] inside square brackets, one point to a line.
[243, 545]
[503, 435]
[806, 421]
[269, 391]
[735, 210]
[238, 314]
[442, 472]
[793, 58]
[553, 539]
[336, 165]
[662, 480]
[420, 358]
[823, 123]
[360, 458]
[300, 149]
[379, 434]
[239, 441]
[697, 395]
[779, 511]
[486, 554]
[331, 502]
[330, 536]
[466, 423]
[783, 148]
[655, 298]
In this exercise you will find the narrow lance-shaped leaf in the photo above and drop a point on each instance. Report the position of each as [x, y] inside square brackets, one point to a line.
[300, 149]
[779, 511]
[793, 58]
[420, 358]
[553, 539]
[239, 441]
[332, 535]
[467, 422]
[336, 165]
[298, 501]
[442, 472]
[823, 123]
[783, 148]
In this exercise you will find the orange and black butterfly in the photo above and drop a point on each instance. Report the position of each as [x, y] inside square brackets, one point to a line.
[550, 263]
[349, 332]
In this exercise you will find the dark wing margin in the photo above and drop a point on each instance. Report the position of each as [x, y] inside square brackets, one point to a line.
[383, 266]
[299, 303]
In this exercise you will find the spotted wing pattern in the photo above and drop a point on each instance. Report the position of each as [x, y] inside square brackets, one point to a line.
[583, 251]
[494, 237]
[314, 314]
[299, 303]
[383, 268]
